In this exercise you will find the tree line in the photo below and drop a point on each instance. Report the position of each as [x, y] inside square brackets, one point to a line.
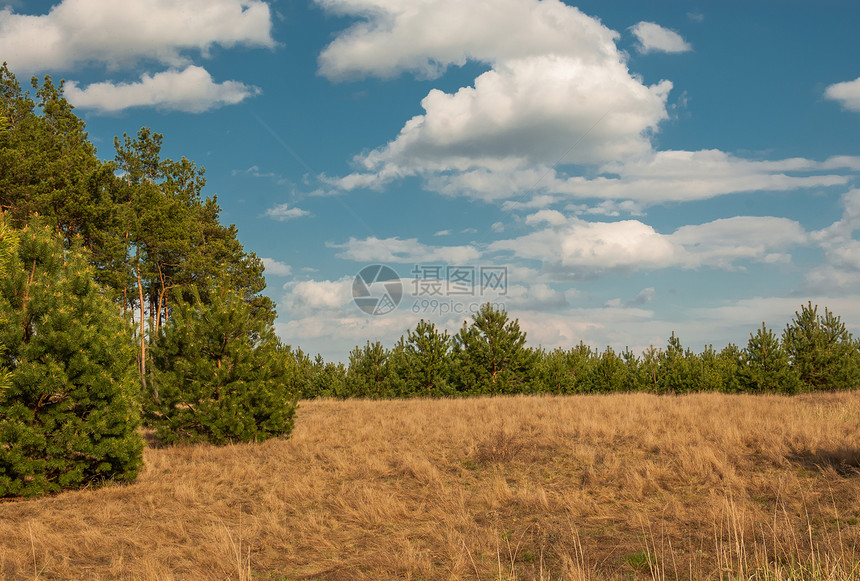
[489, 356]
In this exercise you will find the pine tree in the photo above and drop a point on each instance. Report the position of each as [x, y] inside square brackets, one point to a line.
[554, 373]
[680, 369]
[70, 415]
[650, 377]
[327, 379]
[321, 378]
[730, 365]
[426, 362]
[175, 245]
[49, 167]
[399, 382]
[220, 374]
[8, 247]
[609, 373]
[712, 369]
[299, 369]
[822, 350]
[765, 365]
[491, 355]
[369, 373]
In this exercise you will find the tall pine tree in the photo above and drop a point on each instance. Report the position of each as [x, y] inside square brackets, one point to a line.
[176, 248]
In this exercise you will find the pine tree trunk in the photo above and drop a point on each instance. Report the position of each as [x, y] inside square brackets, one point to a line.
[142, 328]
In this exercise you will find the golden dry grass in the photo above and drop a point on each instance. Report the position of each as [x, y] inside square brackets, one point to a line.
[704, 486]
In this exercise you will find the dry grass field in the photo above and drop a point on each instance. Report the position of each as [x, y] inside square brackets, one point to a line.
[704, 486]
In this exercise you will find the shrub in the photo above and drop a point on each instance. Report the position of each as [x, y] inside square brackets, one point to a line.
[70, 414]
[220, 375]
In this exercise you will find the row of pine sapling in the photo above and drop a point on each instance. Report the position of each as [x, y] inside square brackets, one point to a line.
[489, 355]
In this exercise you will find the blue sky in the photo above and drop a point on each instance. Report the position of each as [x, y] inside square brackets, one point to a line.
[636, 168]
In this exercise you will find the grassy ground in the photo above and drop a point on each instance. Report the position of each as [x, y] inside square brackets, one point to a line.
[704, 486]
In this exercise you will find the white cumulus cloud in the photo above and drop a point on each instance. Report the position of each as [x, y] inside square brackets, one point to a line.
[525, 112]
[396, 250]
[652, 37]
[580, 246]
[557, 115]
[426, 36]
[847, 93]
[840, 272]
[119, 33]
[322, 294]
[722, 243]
[276, 268]
[283, 212]
[558, 88]
[658, 177]
[585, 249]
[191, 90]
[551, 217]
